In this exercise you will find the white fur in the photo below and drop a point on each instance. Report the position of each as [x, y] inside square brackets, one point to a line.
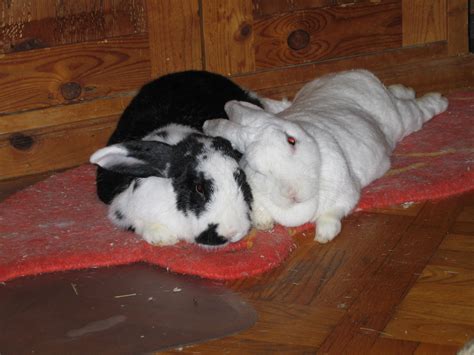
[345, 125]
[175, 133]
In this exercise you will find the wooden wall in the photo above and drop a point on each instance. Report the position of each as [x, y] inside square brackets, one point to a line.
[68, 69]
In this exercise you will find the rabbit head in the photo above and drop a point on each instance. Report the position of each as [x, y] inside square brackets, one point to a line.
[193, 190]
[276, 151]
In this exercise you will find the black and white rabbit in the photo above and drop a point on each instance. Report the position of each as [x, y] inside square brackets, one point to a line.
[165, 179]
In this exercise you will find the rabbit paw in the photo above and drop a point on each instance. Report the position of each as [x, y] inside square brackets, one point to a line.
[327, 227]
[261, 219]
[159, 235]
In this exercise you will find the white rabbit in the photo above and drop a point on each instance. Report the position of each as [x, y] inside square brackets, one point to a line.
[308, 162]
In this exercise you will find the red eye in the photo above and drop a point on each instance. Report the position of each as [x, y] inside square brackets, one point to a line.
[291, 140]
[199, 188]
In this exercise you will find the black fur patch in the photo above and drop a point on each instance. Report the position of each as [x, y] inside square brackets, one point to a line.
[118, 215]
[130, 229]
[136, 184]
[190, 146]
[210, 236]
[193, 191]
[241, 180]
[223, 145]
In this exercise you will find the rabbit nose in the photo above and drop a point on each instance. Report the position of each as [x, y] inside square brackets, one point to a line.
[292, 195]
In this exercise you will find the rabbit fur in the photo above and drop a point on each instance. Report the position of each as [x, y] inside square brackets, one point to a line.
[162, 177]
[306, 161]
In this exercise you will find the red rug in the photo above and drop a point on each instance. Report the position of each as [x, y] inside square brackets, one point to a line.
[59, 224]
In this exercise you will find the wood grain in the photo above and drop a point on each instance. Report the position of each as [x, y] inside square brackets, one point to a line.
[228, 36]
[264, 8]
[457, 27]
[388, 346]
[33, 79]
[423, 68]
[27, 25]
[55, 147]
[436, 349]
[174, 36]
[424, 21]
[272, 323]
[334, 32]
[63, 114]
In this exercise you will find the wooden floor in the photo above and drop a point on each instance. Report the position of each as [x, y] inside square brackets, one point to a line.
[396, 281]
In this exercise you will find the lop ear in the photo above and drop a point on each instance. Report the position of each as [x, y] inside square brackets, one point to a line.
[238, 135]
[135, 158]
[275, 106]
[245, 113]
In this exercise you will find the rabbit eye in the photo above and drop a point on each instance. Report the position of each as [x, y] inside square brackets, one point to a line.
[199, 188]
[291, 140]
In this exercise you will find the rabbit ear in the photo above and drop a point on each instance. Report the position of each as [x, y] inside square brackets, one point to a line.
[245, 113]
[275, 106]
[238, 135]
[135, 158]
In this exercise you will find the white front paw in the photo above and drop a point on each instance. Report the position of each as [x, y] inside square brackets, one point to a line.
[261, 219]
[159, 235]
[327, 227]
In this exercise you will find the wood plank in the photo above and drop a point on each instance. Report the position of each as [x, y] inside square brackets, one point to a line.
[59, 115]
[434, 213]
[296, 76]
[310, 325]
[414, 329]
[237, 346]
[456, 242]
[373, 28]
[463, 228]
[174, 36]
[53, 76]
[228, 36]
[458, 41]
[454, 259]
[10, 186]
[436, 349]
[265, 8]
[424, 21]
[28, 25]
[464, 224]
[444, 75]
[56, 147]
[388, 346]
[446, 275]
[467, 214]
[405, 209]
[439, 312]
